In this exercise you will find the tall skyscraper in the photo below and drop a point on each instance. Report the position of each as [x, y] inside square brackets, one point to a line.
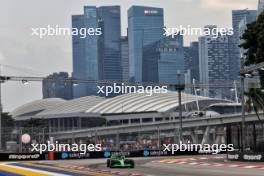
[163, 60]
[97, 57]
[124, 58]
[237, 16]
[85, 58]
[145, 26]
[57, 85]
[260, 6]
[214, 64]
[109, 51]
[191, 59]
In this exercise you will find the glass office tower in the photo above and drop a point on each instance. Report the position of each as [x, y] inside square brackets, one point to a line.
[164, 60]
[191, 59]
[237, 16]
[109, 43]
[85, 62]
[124, 58]
[145, 26]
[97, 57]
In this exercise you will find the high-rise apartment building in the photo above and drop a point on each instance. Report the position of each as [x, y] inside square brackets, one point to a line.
[214, 64]
[145, 26]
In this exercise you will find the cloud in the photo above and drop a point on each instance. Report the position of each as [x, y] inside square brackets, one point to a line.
[229, 4]
[2, 57]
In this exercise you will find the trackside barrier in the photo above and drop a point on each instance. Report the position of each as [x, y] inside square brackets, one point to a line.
[245, 156]
[88, 155]
[233, 156]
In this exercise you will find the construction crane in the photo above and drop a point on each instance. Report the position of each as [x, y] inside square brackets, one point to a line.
[26, 79]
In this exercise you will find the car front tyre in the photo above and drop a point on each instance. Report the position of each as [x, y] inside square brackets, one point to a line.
[108, 163]
[132, 163]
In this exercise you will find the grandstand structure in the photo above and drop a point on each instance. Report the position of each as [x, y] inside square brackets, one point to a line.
[94, 111]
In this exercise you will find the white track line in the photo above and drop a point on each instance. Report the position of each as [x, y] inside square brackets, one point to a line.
[249, 167]
[194, 163]
[233, 165]
[205, 164]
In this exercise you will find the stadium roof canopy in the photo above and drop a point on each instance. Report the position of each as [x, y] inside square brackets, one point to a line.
[96, 106]
[37, 106]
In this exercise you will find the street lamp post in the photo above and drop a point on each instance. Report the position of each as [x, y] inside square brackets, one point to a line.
[180, 113]
[243, 113]
[0, 117]
[235, 89]
[180, 88]
[1, 109]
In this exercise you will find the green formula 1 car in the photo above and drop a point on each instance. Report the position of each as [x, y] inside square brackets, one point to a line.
[120, 161]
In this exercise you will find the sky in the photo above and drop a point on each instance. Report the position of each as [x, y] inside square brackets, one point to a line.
[22, 54]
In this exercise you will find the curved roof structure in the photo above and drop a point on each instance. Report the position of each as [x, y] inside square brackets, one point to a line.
[129, 103]
[37, 106]
[73, 106]
[126, 103]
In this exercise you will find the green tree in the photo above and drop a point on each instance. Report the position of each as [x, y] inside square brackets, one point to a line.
[7, 127]
[34, 127]
[254, 44]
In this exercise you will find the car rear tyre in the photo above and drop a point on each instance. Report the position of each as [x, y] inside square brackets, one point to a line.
[133, 164]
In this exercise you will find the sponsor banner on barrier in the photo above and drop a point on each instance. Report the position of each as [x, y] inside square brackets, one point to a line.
[88, 155]
[108, 154]
[246, 156]
[22, 156]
